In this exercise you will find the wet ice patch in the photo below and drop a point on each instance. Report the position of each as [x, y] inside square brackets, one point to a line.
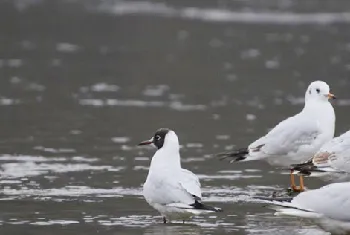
[2, 182]
[29, 169]
[194, 145]
[141, 159]
[296, 100]
[250, 54]
[117, 102]
[8, 101]
[227, 177]
[343, 102]
[28, 158]
[193, 159]
[267, 223]
[229, 193]
[179, 106]
[13, 167]
[14, 63]
[157, 90]
[54, 222]
[24, 4]
[144, 168]
[53, 150]
[100, 87]
[139, 221]
[250, 117]
[121, 139]
[35, 87]
[72, 192]
[104, 87]
[222, 137]
[221, 15]
[65, 47]
[192, 227]
[176, 105]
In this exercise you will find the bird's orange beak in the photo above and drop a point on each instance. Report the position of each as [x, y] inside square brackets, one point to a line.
[331, 96]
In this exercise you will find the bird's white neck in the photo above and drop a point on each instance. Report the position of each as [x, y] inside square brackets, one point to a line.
[323, 112]
[166, 159]
[318, 107]
[168, 156]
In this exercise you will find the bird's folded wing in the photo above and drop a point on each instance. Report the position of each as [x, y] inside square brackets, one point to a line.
[288, 137]
[169, 189]
[190, 183]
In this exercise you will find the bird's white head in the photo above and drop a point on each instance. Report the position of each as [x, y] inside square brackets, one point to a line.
[163, 138]
[318, 91]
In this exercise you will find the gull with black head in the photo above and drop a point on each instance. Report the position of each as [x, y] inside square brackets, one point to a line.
[297, 138]
[173, 191]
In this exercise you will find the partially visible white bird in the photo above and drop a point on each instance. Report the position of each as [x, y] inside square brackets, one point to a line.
[171, 190]
[297, 138]
[331, 162]
[329, 207]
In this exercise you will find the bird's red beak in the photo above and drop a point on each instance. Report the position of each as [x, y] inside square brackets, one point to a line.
[147, 142]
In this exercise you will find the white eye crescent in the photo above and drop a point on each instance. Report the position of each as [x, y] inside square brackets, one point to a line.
[158, 137]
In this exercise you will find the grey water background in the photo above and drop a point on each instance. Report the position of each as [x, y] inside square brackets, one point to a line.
[82, 82]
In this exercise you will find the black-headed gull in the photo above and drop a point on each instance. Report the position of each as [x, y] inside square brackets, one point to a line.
[171, 190]
[331, 162]
[329, 207]
[297, 138]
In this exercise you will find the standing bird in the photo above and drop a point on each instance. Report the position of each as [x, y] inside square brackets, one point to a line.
[297, 138]
[331, 162]
[329, 207]
[171, 190]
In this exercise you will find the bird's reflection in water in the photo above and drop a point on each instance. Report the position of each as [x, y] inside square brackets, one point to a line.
[173, 229]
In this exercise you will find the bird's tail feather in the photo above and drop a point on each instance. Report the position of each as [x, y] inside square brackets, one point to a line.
[236, 155]
[195, 207]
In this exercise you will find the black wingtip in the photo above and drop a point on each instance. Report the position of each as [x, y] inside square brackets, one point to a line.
[236, 155]
[200, 206]
[304, 168]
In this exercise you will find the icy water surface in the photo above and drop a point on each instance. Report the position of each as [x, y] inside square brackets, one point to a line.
[82, 82]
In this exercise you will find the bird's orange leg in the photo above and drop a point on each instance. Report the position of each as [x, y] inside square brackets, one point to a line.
[292, 181]
[293, 186]
[301, 187]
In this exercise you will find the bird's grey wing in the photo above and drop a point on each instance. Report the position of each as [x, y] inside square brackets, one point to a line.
[190, 182]
[289, 136]
[332, 201]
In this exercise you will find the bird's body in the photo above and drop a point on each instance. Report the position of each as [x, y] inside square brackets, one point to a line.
[331, 162]
[171, 190]
[298, 138]
[328, 206]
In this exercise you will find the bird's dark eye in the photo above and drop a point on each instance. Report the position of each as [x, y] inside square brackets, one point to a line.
[158, 137]
[318, 90]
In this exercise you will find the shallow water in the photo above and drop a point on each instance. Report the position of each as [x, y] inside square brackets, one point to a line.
[82, 82]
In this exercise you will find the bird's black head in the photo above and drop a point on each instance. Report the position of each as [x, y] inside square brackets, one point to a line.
[158, 138]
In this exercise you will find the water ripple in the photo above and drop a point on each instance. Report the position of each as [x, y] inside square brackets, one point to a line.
[221, 15]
